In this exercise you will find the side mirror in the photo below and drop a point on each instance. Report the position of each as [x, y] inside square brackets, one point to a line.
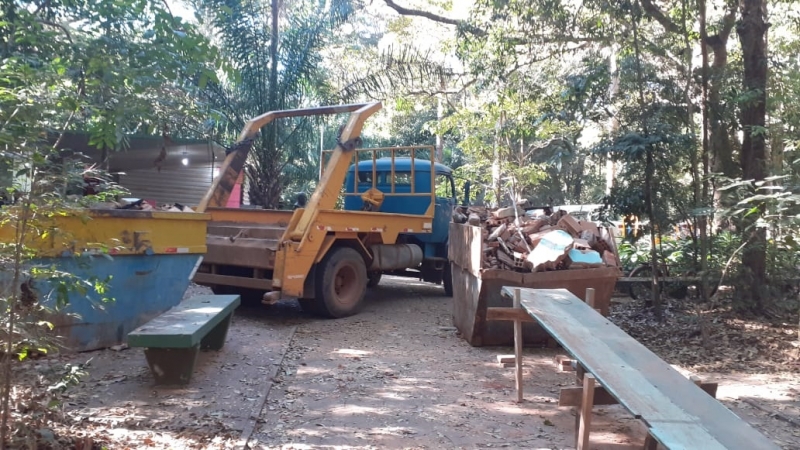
[466, 193]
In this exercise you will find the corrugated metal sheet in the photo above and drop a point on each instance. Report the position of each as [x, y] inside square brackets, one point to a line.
[184, 184]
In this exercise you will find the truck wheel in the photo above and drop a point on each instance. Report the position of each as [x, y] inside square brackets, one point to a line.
[374, 279]
[341, 282]
[447, 280]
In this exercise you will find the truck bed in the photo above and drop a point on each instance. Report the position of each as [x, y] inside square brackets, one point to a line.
[241, 246]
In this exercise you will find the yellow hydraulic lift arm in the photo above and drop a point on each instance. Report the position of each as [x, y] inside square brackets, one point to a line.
[222, 186]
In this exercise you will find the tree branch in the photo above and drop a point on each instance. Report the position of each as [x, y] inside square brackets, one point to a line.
[654, 12]
[435, 17]
[57, 25]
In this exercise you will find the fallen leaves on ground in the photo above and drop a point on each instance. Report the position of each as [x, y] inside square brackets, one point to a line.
[733, 343]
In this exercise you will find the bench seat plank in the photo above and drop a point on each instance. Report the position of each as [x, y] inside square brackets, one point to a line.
[679, 414]
[185, 325]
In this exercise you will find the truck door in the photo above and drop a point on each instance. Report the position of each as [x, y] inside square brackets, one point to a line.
[445, 202]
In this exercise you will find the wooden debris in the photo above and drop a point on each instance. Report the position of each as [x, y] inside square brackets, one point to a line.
[564, 363]
[506, 359]
[511, 239]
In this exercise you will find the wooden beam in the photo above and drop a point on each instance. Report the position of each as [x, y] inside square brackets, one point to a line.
[590, 298]
[571, 396]
[518, 344]
[591, 301]
[650, 443]
[501, 313]
[230, 280]
[586, 412]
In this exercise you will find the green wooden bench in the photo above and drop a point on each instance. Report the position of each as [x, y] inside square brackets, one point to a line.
[172, 340]
[676, 410]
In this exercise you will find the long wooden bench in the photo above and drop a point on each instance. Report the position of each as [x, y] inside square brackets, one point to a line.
[173, 340]
[676, 410]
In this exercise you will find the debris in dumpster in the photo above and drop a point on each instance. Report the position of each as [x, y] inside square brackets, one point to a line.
[518, 242]
[138, 204]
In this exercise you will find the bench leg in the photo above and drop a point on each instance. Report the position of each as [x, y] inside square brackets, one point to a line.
[172, 365]
[650, 443]
[215, 338]
[586, 412]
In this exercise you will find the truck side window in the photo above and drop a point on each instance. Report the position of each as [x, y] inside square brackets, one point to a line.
[365, 177]
[402, 178]
[444, 186]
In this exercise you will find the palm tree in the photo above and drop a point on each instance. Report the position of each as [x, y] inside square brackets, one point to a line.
[274, 49]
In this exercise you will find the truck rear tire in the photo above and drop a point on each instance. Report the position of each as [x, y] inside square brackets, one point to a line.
[447, 280]
[341, 282]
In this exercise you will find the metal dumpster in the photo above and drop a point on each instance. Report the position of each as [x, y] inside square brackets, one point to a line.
[475, 289]
[153, 256]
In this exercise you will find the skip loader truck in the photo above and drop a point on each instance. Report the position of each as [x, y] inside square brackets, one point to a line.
[395, 219]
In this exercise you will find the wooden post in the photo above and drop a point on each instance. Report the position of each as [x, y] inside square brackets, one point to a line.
[586, 412]
[590, 298]
[518, 345]
[650, 443]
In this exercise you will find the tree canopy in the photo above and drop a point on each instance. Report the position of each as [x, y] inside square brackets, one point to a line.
[676, 112]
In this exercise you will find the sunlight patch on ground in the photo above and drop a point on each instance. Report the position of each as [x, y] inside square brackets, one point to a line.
[309, 370]
[392, 396]
[351, 410]
[352, 352]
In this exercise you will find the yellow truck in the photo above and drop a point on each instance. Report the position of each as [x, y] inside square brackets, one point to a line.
[398, 204]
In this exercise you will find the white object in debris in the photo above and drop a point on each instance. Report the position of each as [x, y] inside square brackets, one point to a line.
[550, 250]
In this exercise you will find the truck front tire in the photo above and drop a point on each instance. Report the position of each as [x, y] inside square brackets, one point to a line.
[341, 283]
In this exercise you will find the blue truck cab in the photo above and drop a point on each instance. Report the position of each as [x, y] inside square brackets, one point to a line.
[411, 196]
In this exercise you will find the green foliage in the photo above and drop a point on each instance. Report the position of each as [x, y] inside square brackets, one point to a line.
[287, 150]
[773, 205]
[106, 68]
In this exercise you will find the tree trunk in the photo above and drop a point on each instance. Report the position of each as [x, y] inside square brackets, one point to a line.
[752, 30]
[613, 129]
[266, 160]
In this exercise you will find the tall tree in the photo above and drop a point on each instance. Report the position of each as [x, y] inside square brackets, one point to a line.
[752, 30]
[276, 54]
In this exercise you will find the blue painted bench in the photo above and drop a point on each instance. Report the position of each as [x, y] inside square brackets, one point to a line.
[676, 410]
[173, 340]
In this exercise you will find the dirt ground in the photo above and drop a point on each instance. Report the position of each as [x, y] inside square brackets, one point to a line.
[395, 376]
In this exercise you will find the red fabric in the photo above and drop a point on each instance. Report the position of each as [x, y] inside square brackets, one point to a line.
[236, 193]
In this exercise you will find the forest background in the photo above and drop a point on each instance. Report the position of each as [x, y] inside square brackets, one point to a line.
[682, 114]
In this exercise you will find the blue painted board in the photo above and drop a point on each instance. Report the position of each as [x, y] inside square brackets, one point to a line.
[185, 325]
[679, 414]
